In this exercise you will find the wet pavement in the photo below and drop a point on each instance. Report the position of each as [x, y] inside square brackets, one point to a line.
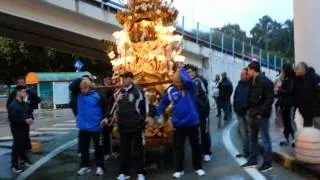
[43, 141]
[222, 167]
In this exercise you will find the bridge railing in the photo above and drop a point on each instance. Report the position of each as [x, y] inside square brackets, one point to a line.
[212, 38]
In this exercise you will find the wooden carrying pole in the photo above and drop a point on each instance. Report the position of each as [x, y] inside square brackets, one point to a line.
[113, 87]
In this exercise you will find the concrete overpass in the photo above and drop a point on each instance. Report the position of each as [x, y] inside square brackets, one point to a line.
[78, 26]
[73, 26]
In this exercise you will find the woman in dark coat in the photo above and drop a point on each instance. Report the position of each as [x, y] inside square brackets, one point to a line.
[285, 96]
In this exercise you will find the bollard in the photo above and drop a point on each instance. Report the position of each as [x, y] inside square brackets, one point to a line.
[308, 145]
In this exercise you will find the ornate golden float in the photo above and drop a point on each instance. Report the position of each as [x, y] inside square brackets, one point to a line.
[148, 47]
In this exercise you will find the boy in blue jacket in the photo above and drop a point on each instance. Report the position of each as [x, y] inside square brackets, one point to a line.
[185, 120]
[90, 112]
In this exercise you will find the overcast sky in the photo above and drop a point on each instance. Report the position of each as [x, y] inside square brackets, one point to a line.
[246, 13]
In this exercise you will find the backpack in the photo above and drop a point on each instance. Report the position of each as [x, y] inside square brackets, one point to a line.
[205, 83]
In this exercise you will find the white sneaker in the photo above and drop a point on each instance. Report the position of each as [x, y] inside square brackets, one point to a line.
[84, 170]
[178, 175]
[200, 172]
[107, 157]
[123, 177]
[27, 164]
[141, 177]
[207, 158]
[99, 171]
[115, 155]
[16, 170]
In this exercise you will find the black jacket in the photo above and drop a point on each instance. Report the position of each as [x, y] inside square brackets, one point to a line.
[32, 96]
[285, 93]
[202, 97]
[240, 98]
[131, 109]
[18, 113]
[109, 101]
[225, 90]
[307, 94]
[260, 97]
[74, 89]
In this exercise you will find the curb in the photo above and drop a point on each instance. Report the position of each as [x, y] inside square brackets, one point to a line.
[292, 164]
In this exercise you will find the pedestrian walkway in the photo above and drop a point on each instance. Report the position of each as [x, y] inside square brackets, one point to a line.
[43, 124]
[286, 155]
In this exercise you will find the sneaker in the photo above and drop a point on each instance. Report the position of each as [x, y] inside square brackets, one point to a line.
[99, 171]
[207, 158]
[115, 155]
[123, 177]
[107, 157]
[250, 164]
[83, 171]
[200, 172]
[16, 170]
[27, 164]
[178, 175]
[141, 177]
[293, 145]
[265, 168]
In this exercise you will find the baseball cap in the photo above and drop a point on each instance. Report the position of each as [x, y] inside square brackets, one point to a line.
[127, 75]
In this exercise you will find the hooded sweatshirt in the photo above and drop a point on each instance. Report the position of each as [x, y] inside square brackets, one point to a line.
[185, 112]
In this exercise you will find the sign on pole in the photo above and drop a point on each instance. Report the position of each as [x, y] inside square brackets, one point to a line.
[78, 65]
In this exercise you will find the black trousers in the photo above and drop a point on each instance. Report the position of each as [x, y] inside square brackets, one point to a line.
[205, 133]
[107, 131]
[287, 122]
[127, 140]
[307, 117]
[29, 145]
[180, 136]
[85, 138]
[19, 146]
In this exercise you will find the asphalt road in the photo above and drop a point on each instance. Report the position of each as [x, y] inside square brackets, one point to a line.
[222, 167]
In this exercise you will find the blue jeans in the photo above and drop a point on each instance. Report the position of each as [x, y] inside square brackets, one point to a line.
[245, 133]
[262, 125]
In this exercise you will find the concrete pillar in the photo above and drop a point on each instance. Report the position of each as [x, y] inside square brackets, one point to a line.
[307, 32]
[307, 43]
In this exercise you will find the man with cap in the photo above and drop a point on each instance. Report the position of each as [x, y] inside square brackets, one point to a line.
[130, 114]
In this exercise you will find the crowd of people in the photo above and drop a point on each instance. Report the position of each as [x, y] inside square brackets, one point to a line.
[97, 113]
[295, 90]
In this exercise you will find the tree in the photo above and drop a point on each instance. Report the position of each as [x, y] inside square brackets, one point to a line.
[274, 36]
[11, 60]
[235, 31]
[17, 58]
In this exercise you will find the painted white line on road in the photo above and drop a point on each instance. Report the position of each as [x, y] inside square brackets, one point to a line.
[56, 132]
[56, 129]
[71, 121]
[5, 138]
[226, 138]
[4, 152]
[46, 158]
[65, 125]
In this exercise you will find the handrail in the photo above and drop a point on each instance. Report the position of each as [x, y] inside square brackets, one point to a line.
[194, 37]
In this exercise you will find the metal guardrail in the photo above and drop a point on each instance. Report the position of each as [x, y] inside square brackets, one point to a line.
[210, 38]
